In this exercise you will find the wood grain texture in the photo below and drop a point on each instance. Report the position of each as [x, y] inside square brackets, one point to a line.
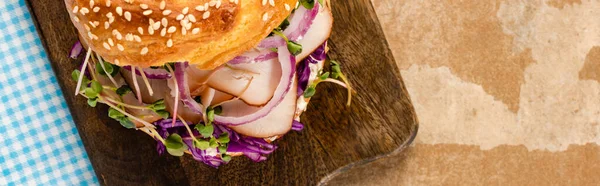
[381, 120]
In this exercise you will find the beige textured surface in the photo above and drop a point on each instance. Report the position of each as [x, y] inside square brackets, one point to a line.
[506, 91]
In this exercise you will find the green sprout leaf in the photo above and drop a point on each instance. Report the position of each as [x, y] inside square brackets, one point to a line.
[163, 113]
[175, 145]
[218, 110]
[210, 115]
[115, 114]
[121, 91]
[109, 68]
[92, 102]
[158, 105]
[75, 76]
[336, 70]
[201, 144]
[294, 48]
[222, 149]
[284, 24]
[226, 158]
[97, 87]
[126, 122]
[223, 138]
[324, 76]
[205, 130]
[310, 92]
[89, 92]
[213, 143]
[308, 4]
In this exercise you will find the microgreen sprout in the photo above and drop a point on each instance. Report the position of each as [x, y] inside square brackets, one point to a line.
[175, 145]
[308, 4]
[292, 46]
[331, 77]
[123, 120]
[121, 91]
[159, 108]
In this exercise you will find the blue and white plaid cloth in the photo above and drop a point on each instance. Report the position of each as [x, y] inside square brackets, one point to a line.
[39, 144]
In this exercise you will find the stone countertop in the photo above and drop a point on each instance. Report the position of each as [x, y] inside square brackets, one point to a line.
[507, 93]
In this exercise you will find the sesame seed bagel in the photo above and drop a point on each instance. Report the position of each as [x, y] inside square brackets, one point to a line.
[145, 33]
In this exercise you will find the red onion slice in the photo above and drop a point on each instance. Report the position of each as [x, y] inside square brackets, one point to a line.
[300, 23]
[288, 62]
[76, 50]
[151, 73]
[184, 90]
[253, 57]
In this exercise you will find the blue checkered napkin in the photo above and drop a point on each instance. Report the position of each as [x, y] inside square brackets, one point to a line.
[39, 144]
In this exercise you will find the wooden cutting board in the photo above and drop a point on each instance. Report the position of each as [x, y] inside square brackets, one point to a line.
[380, 121]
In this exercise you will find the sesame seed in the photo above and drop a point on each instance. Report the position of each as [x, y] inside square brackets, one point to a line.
[180, 17]
[92, 3]
[163, 32]
[128, 16]
[75, 9]
[171, 30]
[164, 22]
[196, 31]
[96, 9]
[109, 14]
[108, 3]
[106, 25]
[163, 5]
[169, 43]
[184, 22]
[218, 4]
[119, 11]
[264, 2]
[167, 12]
[87, 27]
[206, 15]
[287, 7]
[106, 46]
[185, 10]
[150, 30]
[116, 62]
[156, 26]
[147, 12]
[96, 23]
[141, 30]
[272, 2]
[200, 8]
[188, 26]
[84, 11]
[183, 31]
[265, 16]
[129, 37]
[144, 51]
[192, 18]
[92, 24]
[212, 3]
[120, 47]
[137, 38]
[111, 20]
[76, 19]
[144, 6]
[110, 42]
